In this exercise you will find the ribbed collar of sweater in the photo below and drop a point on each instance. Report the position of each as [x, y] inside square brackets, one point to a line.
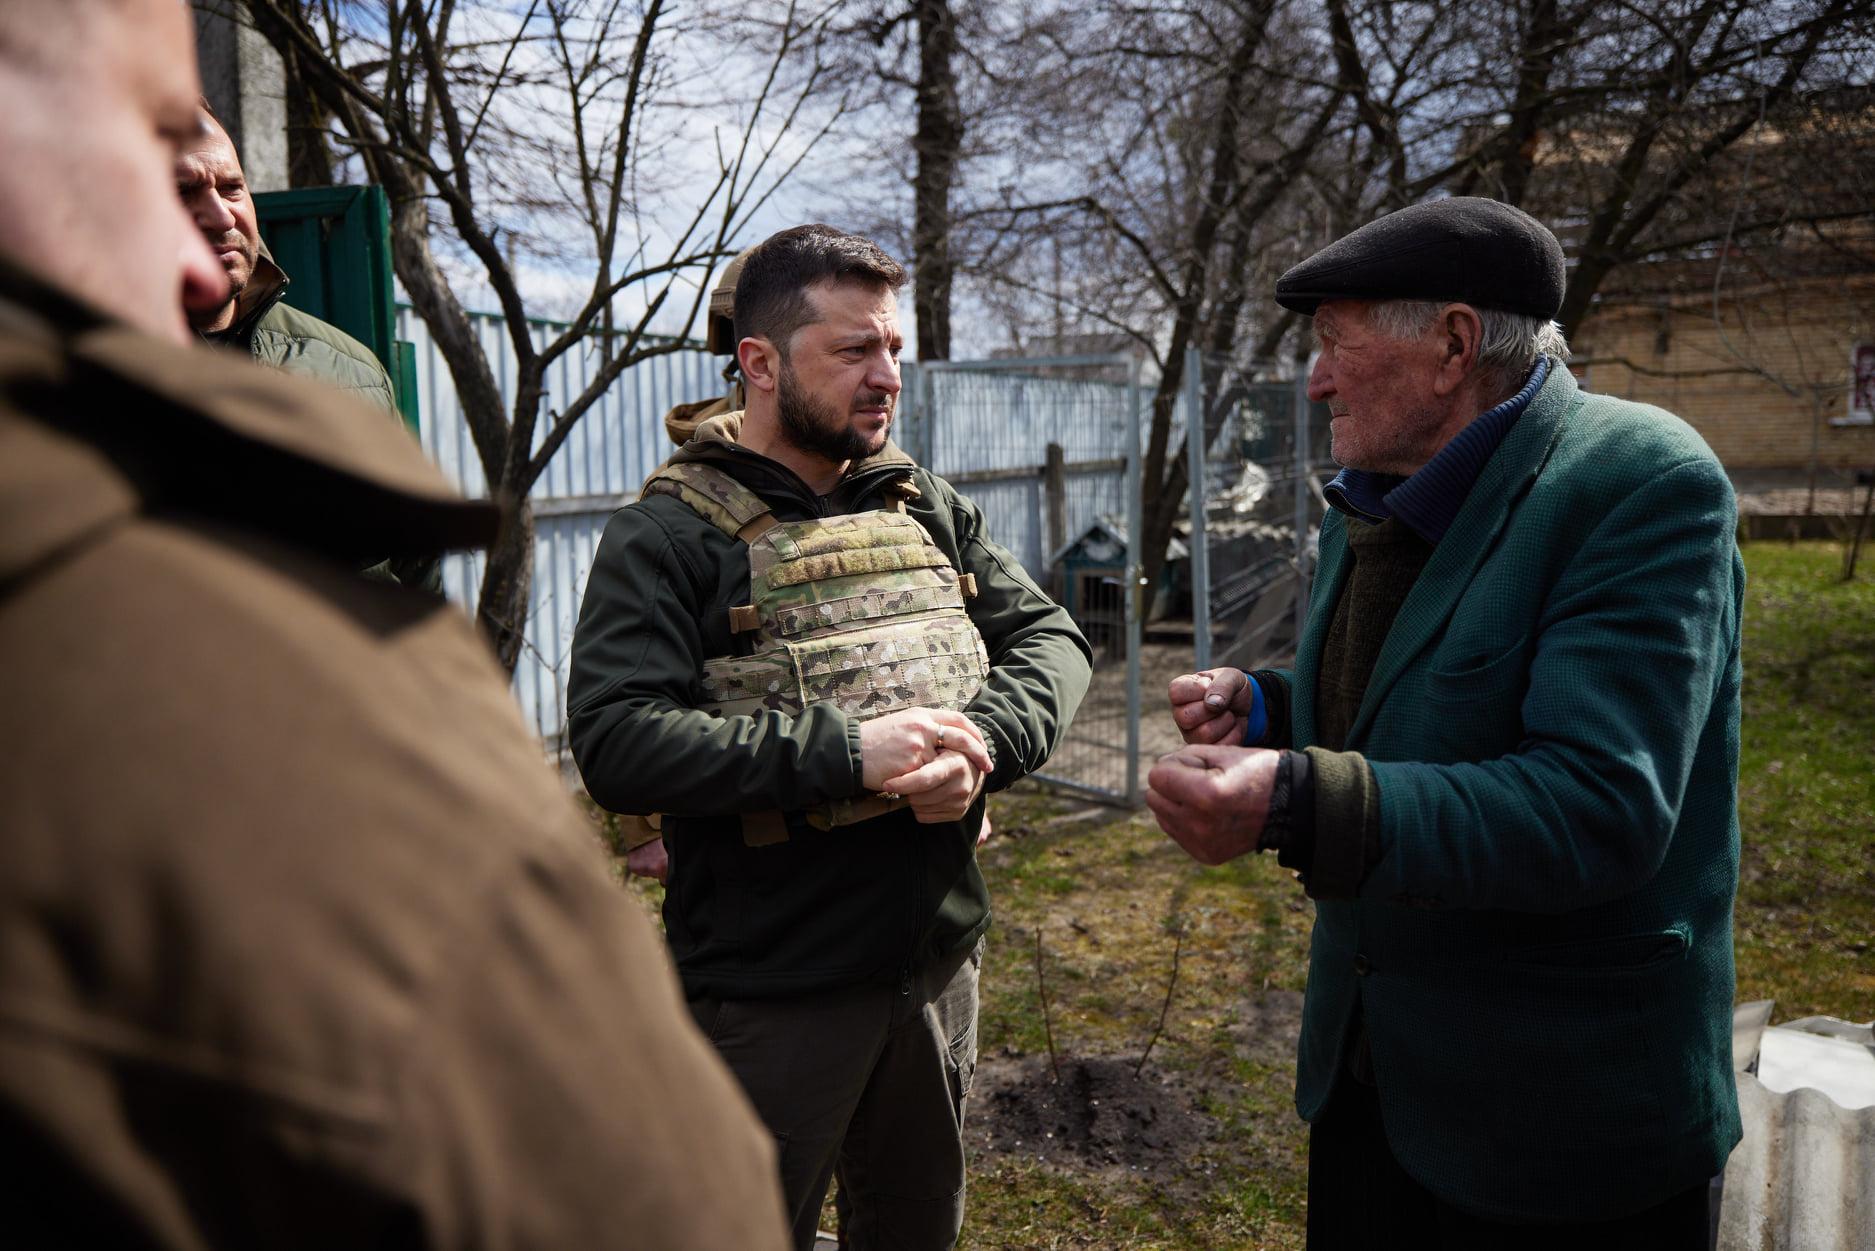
[1429, 499]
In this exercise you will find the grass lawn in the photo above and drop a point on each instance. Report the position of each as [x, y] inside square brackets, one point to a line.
[1203, 1149]
[1806, 787]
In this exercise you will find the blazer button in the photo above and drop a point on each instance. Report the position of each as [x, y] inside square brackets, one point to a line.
[1362, 965]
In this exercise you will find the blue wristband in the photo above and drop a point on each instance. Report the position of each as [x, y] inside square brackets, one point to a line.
[1258, 723]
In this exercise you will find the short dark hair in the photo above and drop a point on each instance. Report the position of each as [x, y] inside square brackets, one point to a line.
[771, 294]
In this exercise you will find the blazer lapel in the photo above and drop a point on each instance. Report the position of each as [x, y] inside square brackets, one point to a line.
[1506, 476]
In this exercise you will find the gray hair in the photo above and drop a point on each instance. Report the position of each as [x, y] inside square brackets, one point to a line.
[1510, 344]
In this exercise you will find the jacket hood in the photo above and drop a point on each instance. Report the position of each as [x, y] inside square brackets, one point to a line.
[720, 435]
[99, 421]
[716, 441]
[682, 421]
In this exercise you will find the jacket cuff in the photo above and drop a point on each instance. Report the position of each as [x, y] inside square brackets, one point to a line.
[1257, 724]
[1289, 830]
[1347, 823]
[1275, 707]
[991, 782]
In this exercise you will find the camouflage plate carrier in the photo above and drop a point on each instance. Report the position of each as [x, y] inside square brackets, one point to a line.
[861, 610]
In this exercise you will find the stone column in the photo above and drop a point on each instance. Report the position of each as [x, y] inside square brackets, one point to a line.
[246, 86]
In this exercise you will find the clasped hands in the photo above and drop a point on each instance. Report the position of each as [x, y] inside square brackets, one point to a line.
[935, 758]
[1211, 795]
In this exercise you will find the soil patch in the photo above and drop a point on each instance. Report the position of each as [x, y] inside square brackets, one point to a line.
[1098, 1116]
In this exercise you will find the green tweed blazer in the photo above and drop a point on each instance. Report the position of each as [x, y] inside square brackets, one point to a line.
[1543, 951]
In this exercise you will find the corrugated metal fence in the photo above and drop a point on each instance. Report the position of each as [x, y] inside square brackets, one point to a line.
[992, 444]
[598, 469]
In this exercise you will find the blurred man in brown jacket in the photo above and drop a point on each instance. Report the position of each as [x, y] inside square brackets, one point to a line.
[300, 945]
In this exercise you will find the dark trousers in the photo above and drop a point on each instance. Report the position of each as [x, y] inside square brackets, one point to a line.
[1360, 1198]
[868, 1080]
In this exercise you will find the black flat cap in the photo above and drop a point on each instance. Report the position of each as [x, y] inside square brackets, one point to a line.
[1466, 249]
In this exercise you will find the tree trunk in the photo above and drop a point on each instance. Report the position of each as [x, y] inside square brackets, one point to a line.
[1543, 37]
[308, 158]
[450, 329]
[507, 581]
[1861, 528]
[938, 143]
[1162, 477]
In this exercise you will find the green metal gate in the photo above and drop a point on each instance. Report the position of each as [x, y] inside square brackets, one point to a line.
[335, 245]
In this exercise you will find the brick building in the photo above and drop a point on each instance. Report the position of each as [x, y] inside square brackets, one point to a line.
[1763, 368]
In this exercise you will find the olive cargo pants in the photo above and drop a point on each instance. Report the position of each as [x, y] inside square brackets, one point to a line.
[868, 1080]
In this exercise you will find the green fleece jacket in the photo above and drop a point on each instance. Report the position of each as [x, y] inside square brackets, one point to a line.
[859, 903]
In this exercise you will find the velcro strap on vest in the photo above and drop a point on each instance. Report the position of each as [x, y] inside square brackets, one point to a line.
[744, 618]
[636, 832]
[967, 583]
[766, 828]
[763, 829]
[853, 811]
[854, 562]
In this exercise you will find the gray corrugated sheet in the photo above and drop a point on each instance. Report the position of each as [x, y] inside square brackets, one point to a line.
[599, 468]
[1803, 1177]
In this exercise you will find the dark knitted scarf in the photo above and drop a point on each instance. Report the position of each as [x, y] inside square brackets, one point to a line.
[1385, 561]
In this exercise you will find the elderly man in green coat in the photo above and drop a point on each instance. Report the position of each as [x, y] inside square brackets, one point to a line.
[1504, 766]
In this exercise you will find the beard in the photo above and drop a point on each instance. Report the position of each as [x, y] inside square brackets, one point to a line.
[239, 274]
[242, 271]
[811, 425]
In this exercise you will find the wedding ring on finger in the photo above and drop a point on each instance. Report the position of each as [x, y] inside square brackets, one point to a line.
[940, 738]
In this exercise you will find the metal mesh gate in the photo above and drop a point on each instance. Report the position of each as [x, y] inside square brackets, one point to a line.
[1256, 510]
[1049, 449]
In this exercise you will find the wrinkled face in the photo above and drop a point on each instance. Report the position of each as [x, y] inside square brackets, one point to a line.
[838, 385]
[214, 191]
[90, 128]
[1380, 391]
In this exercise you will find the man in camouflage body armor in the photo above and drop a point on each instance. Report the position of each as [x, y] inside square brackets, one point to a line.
[803, 650]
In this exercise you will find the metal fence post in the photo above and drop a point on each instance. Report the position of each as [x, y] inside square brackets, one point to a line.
[909, 428]
[926, 454]
[1200, 556]
[1135, 585]
[1302, 497]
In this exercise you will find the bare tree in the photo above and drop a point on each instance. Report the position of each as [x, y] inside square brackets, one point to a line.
[496, 126]
[930, 85]
[1176, 195]
[1624, 127]
[1618, 124]
[939, 144]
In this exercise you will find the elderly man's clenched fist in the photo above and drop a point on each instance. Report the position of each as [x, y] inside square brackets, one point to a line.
[1213, 801]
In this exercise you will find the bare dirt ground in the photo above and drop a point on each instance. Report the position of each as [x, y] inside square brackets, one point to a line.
[1099, 1115]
